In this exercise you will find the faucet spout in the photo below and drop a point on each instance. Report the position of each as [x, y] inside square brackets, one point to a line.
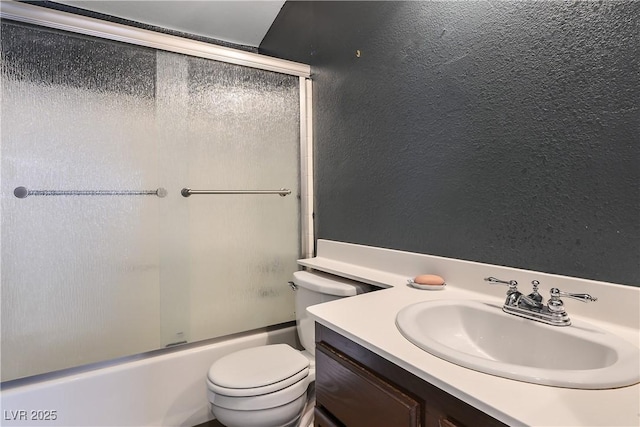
[533, 301]
[529, 301]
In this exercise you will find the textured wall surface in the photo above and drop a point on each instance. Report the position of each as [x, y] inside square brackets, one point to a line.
[499, 132]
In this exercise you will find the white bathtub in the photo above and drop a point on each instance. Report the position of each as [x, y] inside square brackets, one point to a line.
[163, 390]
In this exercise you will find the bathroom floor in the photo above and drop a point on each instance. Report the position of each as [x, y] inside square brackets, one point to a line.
[212, 423]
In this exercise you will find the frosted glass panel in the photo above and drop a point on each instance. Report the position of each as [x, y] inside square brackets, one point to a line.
[243, 128]
[91, 278]
[233, 128]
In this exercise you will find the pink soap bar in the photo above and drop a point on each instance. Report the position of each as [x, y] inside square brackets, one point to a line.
[429, 279]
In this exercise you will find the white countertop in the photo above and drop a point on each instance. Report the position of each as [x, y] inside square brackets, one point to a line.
[369, 320]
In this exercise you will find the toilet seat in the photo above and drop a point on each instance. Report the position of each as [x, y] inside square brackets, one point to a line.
[257, 391]
[257, 371]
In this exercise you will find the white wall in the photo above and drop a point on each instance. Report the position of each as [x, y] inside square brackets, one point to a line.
[166, 390]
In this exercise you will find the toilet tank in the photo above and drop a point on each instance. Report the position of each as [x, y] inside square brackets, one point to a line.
[316, 288]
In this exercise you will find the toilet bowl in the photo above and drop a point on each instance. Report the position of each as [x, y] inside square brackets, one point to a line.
[267, 386]
[260, 386]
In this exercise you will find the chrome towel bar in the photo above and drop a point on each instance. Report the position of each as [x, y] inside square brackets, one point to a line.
[23, 192]
[186, 192]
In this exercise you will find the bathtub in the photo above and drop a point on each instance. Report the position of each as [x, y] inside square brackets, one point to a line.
[164, 388]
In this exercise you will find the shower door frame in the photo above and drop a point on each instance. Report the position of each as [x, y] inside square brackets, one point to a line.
[51, 18]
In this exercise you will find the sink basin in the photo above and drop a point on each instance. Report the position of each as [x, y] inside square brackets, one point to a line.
[480, 336]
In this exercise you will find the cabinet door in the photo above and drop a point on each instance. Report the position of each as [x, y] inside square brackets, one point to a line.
[357, 397]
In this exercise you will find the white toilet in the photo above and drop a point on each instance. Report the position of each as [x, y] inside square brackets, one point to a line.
[267, 386]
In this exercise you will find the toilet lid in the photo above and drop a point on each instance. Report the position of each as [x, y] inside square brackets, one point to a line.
[258, 367]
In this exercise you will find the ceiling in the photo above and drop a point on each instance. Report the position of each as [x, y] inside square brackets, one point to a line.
[242, 22]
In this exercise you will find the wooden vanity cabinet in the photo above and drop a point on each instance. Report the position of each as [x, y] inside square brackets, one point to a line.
[357, 388]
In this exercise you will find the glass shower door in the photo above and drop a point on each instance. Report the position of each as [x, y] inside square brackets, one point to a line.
[233, 128]
[90, 277]
[79, 273]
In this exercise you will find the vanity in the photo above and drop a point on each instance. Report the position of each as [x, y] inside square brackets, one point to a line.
[358, 388]
[370, 374]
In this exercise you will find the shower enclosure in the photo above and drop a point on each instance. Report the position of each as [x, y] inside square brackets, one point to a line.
[149, 198]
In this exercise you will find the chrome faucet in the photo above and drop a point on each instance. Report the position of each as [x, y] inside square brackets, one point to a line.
[532, 306]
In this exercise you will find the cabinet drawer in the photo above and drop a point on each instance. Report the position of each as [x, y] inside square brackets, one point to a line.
[358, 398]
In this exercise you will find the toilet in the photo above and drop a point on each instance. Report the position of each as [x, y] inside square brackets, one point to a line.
[267, 386]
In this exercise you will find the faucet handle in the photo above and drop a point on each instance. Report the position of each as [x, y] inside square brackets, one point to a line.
[555, 304]
[513, 294]
[512, 283]
[557, 293]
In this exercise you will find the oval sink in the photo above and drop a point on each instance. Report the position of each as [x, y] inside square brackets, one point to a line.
[482, 337]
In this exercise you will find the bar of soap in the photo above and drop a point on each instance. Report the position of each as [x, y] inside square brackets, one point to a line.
[429, 279]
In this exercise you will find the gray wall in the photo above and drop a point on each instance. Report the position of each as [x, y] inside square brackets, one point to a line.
[499, 132]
